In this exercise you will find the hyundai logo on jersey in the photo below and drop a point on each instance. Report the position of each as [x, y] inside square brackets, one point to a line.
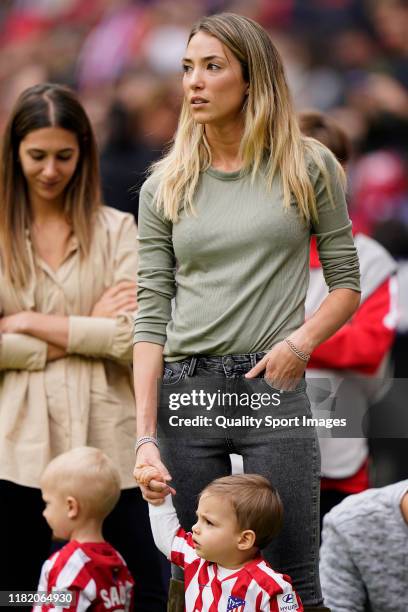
[287, 602]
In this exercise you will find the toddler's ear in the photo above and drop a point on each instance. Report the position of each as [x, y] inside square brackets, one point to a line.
[246, 539]
[72, 507]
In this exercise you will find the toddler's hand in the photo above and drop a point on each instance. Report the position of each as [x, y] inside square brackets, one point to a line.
[150, 477]
[145, 473]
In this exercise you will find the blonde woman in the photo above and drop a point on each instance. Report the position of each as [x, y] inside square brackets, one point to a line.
[67, 295]
[225, 224]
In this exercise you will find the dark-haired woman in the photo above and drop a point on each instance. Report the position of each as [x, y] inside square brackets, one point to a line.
[67, 294]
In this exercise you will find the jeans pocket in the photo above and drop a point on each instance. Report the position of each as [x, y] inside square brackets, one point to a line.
[174, 373]
[300, 389]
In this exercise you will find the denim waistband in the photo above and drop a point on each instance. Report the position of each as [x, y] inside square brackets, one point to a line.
[229, 366]
[220, 362]
[226, 361]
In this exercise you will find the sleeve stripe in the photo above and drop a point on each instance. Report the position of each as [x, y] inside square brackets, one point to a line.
[182, 552]
[279, 579]
[86, 596]
[45, 571]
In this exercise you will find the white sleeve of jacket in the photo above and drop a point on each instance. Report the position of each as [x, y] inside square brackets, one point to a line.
[165, 524]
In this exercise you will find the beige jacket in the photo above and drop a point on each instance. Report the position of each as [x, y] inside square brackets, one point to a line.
[87, 397]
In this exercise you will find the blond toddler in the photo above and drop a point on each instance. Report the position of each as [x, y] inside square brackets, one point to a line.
[80, 488]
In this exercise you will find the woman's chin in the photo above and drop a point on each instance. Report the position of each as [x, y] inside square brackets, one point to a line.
[200, 120]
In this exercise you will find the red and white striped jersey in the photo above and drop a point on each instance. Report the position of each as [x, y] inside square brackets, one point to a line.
[253, 588]
[94, 572]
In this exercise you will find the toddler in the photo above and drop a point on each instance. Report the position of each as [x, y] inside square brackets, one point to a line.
[80, 488]
[224, 571]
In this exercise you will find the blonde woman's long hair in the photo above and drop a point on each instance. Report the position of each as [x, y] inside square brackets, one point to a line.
[271, 132]
[41, 106]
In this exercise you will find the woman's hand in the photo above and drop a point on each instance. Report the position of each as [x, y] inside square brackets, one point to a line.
[18, 323]
[49, 328]
[283, 369]
[115, 300]
[22, 323]
[154, 490]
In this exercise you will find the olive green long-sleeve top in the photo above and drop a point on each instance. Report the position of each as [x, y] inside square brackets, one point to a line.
[239, 270]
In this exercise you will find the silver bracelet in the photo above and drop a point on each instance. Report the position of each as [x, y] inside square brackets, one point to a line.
[303, 356]
[145, 440]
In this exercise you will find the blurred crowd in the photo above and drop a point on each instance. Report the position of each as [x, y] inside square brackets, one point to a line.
[348, 58]
[344, 57]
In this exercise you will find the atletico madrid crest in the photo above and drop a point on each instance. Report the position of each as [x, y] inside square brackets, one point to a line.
[235, 603]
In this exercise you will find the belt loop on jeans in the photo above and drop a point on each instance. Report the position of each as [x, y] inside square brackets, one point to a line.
[253, 359]
[192, 366]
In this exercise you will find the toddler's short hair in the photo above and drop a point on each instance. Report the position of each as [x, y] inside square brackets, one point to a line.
[256, 503]
[87, 474]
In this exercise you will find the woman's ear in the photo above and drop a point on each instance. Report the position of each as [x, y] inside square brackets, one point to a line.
[246, 539]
